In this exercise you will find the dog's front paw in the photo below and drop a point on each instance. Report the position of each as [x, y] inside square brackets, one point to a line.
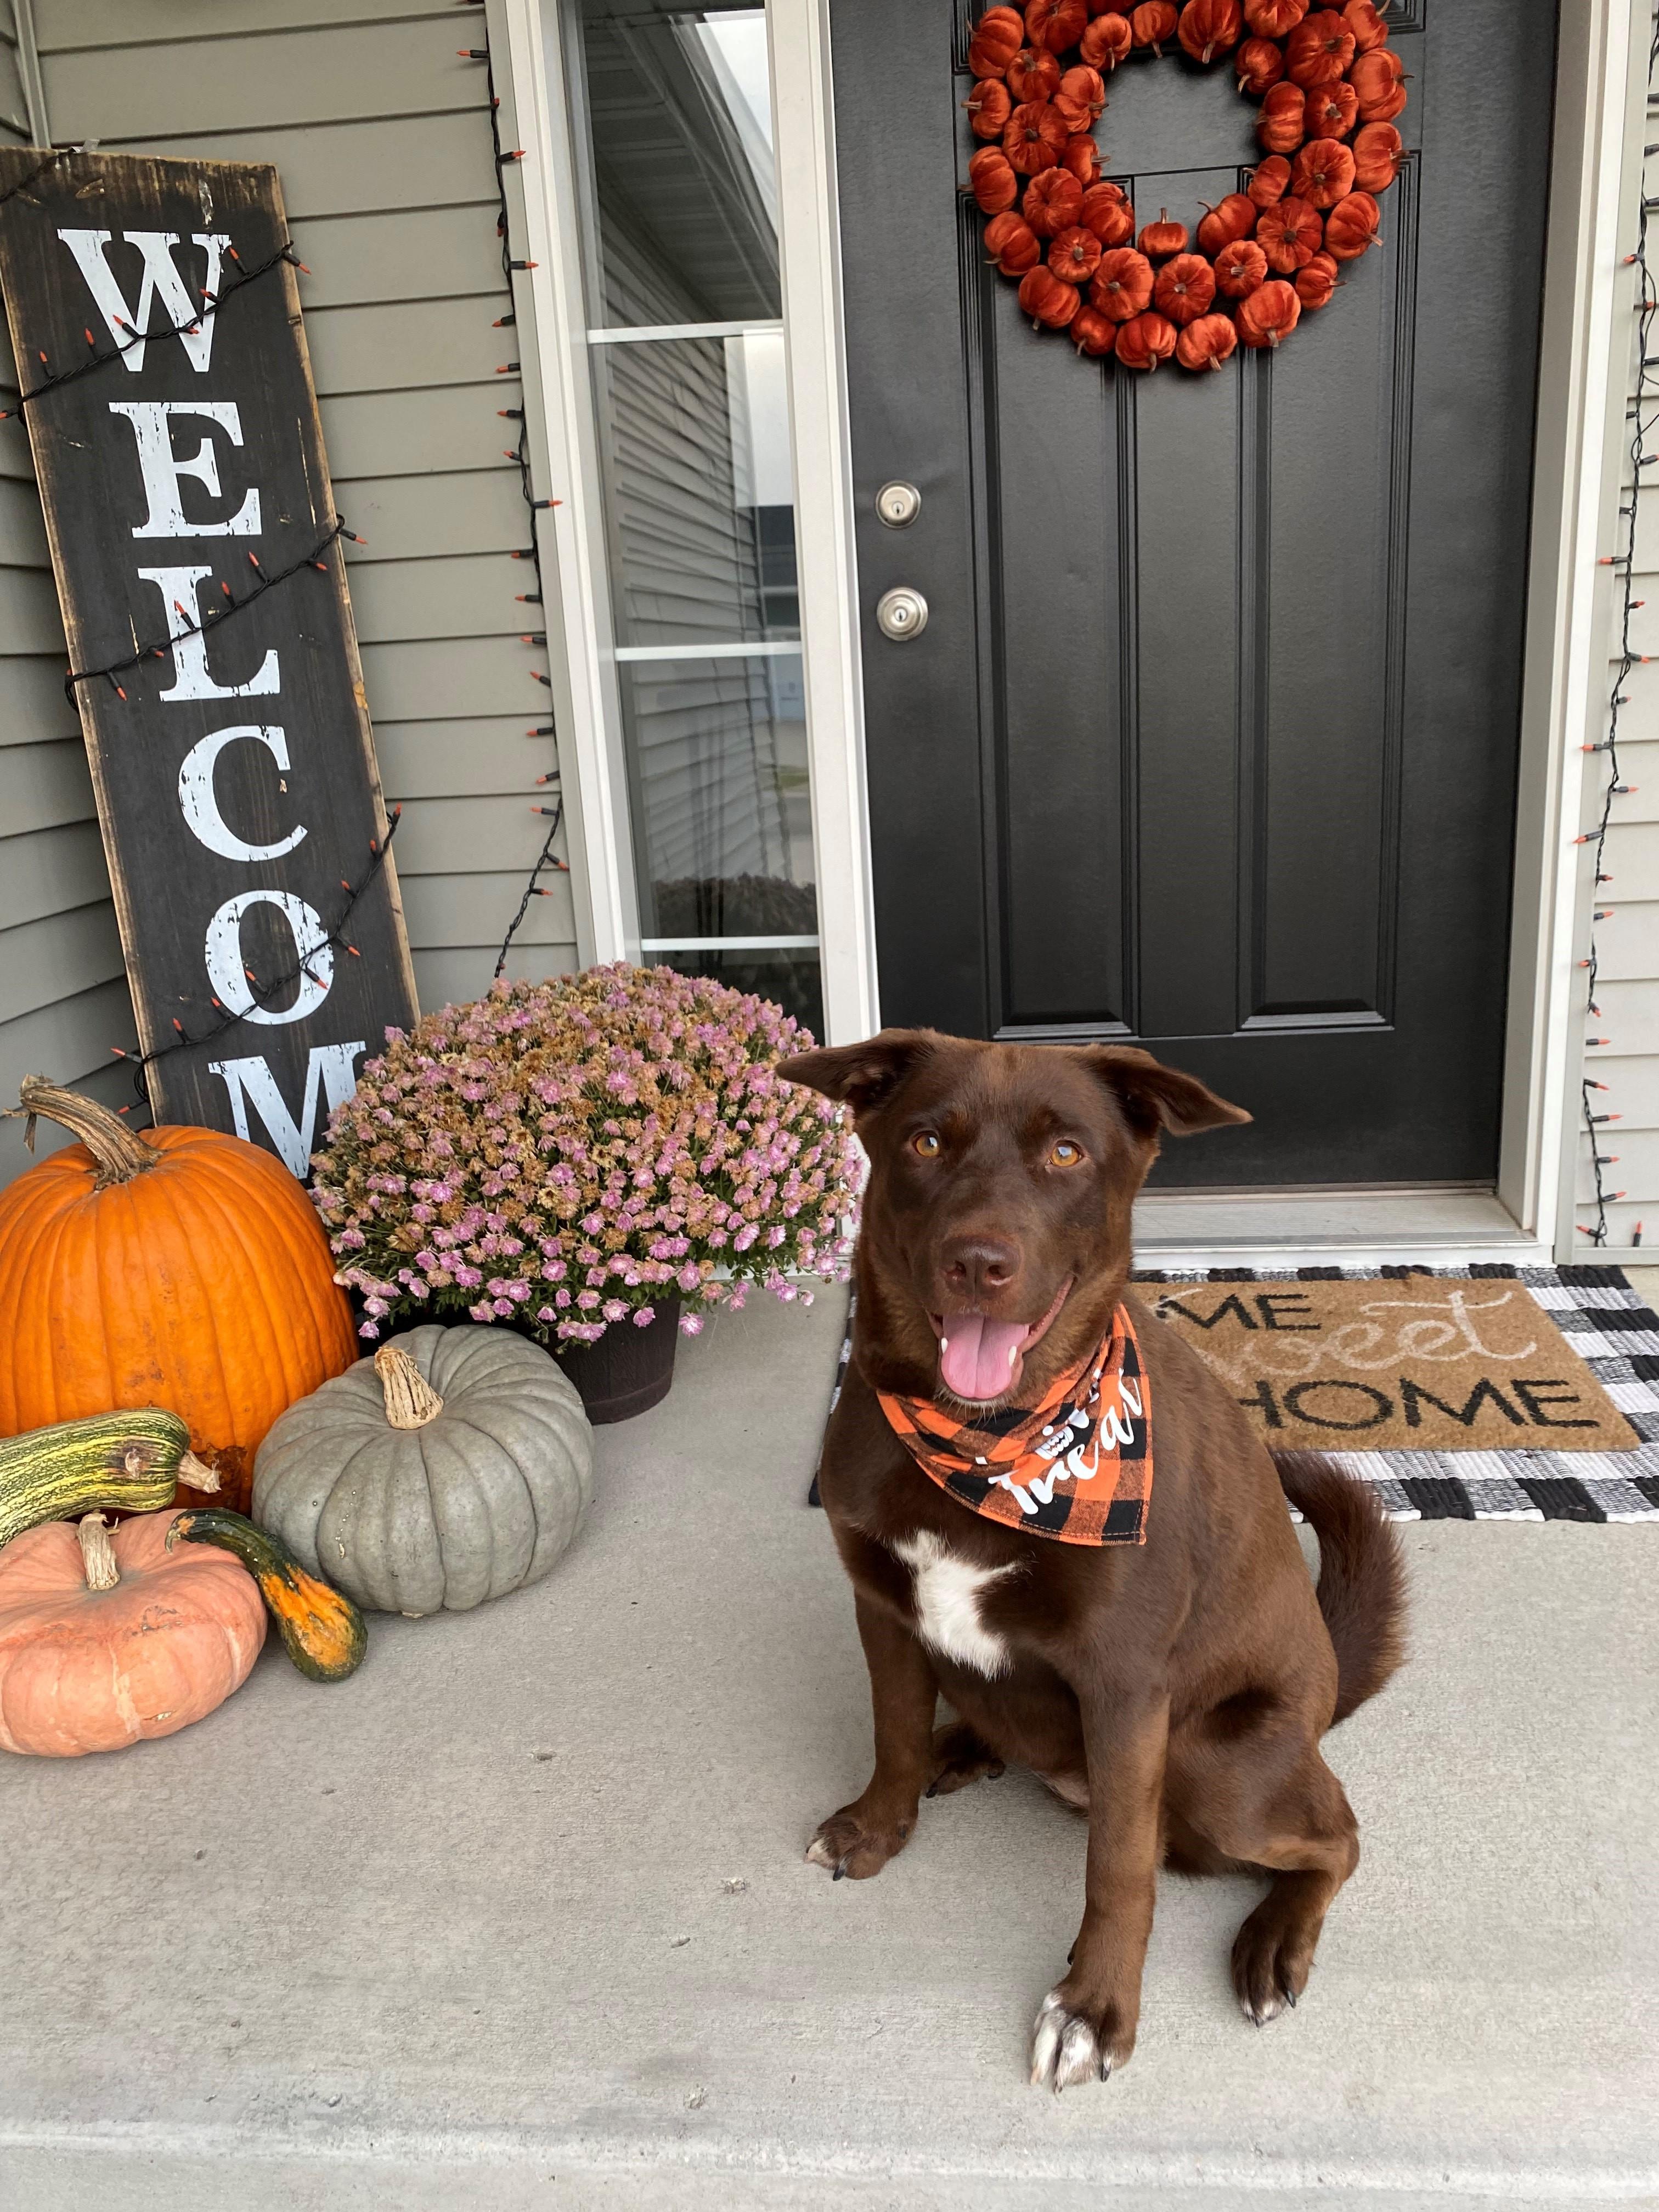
[1072, 2043]
[855, 1842]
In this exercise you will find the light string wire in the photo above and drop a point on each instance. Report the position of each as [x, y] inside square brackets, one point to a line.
[1643, 418]
[504, 156]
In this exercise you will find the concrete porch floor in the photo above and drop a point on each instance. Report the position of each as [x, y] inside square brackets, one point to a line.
[517, 1916]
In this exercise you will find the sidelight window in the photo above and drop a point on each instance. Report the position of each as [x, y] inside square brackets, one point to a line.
[674, 126]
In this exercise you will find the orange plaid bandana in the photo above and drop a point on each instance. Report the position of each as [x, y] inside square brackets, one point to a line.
[1078, 1468]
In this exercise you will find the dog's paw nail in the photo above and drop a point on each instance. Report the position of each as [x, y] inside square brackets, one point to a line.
[840, 1874]
[932, 1789]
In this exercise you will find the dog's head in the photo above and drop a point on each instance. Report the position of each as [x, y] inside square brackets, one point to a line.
[996, 1229]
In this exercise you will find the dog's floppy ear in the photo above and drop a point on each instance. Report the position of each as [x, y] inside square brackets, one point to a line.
[1155, 1096]
[859, 1075]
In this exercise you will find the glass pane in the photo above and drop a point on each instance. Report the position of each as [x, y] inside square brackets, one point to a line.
[722, 820]
[791, 979]
[686, 196]
[695, 447]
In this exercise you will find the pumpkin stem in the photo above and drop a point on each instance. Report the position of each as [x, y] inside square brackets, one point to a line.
[410, 1400]
[197, 1473]
[121, 1154]
[97, 1553]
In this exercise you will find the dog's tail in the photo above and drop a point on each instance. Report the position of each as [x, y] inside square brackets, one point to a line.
[1362, 1575]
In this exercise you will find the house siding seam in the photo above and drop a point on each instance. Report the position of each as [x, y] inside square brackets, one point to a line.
[381, 135]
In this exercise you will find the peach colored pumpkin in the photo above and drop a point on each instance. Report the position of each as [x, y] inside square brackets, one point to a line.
[1109, 212]
[1053, 202]
[1330, 111]
[1122, 285]
[988, 106]
[1269, 314]
[1046, 300]
[87, 1668]
[1271, 19]
[1075, 255]
[1158, 241]
[1082, 158]
[1093, 333]
[1081, 97]
[1033, 74]
[1268, 184]
[1153, 22]
[1056, 24]
[1034, 137]
[1315, 283]
[1240, 269]
[1322, 173]
[992, 180]
[1319, 48]
[1208, 28]
[1378, 79]
[1281, 120]
[1184, 289]
[1013, 244]
[1378, 152]
[1230, 219]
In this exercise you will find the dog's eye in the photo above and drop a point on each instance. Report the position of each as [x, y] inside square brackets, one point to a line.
[1065, 1154]
[927, 1144]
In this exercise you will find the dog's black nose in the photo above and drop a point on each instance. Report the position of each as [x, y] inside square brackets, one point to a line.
[976, 1266]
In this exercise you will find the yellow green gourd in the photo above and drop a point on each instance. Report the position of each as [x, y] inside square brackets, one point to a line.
[131, 1462]
[322, 1631]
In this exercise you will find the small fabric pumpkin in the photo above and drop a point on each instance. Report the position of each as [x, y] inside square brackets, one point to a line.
[1378, 153]
[989, 107]
[454, 1465]
[1290, 234]
[1081, 99]
[1047, 301]
[1154, 22]
[1353, 226]
[105, 1639]
[1260, 63]
[1014, 245]
[1082, 158]
[1122, 285]
[1208, 342]
[1158, 241]
[1319, 48]
[1315, 283]
[998, 37]
[1053, 202]
[1268, 184]
[1184, 289]
[1056, 24]
[1093, 333]
[1209, 28]
[1279, 122]
[1322, 173]
[1379, 79]
[1368, 29]
[1034, 137]
[1107, 42]
[1330, 110]
[1269, 19]
[1033, 74]
[1145, 340]
[1270, 313]
[1106, 211]
[1240, 269]
[1075, 255]
[992, 180]
[1232, 218]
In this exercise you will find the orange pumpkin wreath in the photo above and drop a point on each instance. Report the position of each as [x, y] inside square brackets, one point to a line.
[1329, 88]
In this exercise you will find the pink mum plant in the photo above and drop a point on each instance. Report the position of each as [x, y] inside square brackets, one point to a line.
[566, 1154]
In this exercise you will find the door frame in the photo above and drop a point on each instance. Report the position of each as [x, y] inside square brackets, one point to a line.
[1595, 159]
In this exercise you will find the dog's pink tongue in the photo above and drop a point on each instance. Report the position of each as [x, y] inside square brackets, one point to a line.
[976, 1356]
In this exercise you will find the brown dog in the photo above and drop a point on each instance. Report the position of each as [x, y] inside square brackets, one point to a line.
[1176, 1687]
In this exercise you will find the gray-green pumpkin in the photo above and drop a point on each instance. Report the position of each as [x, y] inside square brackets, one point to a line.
[454, 1465]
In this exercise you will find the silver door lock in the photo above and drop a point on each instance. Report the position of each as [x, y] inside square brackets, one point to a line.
[901, 613]
[898, 505]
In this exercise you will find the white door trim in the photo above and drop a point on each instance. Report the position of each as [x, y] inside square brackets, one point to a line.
[1599, 115]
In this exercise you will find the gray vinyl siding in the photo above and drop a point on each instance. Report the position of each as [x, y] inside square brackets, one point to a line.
[381, 137]
[1627, 941]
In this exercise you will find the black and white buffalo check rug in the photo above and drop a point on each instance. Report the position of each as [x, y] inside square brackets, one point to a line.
[1603, 1320]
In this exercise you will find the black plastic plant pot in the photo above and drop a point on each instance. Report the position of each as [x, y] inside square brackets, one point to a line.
[629, 1370]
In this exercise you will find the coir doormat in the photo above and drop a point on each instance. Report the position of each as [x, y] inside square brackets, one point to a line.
[1484, 1392]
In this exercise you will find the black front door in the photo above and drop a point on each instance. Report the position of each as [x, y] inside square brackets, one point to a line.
[1209, 740]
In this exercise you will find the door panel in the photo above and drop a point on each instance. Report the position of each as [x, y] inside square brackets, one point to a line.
[1211, 739]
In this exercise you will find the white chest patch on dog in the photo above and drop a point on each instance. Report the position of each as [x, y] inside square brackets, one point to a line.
[946, 1595]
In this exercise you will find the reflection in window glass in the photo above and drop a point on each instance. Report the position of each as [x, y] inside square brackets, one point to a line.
[686, 197]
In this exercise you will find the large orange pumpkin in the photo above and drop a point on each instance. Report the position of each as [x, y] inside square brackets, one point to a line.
[171, 1266]
[106, 1639]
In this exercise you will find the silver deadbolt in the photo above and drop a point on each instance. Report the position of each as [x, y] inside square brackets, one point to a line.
[898, 505]
[901, 613]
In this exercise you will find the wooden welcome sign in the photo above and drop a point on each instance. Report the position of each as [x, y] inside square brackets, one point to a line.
[166, 389]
